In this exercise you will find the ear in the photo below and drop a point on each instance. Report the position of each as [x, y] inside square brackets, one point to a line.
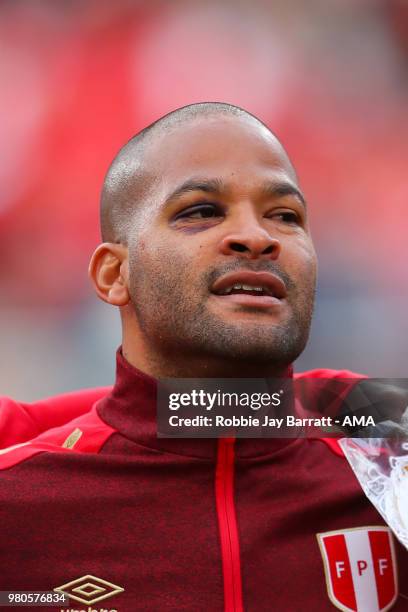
[109, 273]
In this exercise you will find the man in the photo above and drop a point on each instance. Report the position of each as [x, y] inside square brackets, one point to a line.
[207, 253]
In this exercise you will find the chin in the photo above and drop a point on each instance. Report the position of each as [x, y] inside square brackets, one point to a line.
[276, 350]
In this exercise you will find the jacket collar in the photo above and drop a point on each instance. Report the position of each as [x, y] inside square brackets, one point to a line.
[130, 408]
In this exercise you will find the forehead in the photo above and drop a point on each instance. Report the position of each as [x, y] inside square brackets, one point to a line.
[238, 150]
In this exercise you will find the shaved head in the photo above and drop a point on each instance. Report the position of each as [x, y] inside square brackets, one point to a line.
[128, 181]
[204, 195]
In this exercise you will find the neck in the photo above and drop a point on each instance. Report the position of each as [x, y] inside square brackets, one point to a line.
[178, 365]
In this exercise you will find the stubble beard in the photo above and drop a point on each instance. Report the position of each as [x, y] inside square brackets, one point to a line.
[179, 326]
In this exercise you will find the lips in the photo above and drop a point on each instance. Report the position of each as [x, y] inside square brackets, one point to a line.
[257, 284]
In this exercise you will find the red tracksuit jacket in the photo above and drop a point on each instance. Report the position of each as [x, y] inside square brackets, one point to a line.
[188, 525]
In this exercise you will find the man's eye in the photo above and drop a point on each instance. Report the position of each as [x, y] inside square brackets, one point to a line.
[287, 216]
[202, 211]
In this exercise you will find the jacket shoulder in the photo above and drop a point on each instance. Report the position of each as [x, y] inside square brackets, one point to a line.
[85, 434]
[329, 374]
[22, 421]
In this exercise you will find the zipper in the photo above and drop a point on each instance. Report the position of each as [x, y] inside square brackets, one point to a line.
[227, 523]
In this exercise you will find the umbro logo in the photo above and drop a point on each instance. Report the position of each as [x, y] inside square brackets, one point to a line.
[89, 590]
[89, 609]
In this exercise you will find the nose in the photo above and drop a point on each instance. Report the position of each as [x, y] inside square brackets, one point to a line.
[252, 241]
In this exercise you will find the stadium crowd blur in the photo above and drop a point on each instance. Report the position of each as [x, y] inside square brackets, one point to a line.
[78, 79]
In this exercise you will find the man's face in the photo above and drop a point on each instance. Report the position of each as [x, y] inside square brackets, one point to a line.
[221, 262]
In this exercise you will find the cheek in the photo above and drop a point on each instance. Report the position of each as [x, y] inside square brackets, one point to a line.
[162, 267]
[187, 252]
[302, 262]
[150, 252]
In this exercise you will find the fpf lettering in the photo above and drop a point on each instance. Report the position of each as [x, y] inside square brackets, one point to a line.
[362, 565]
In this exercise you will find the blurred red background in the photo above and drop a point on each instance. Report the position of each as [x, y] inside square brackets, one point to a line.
[79, 79]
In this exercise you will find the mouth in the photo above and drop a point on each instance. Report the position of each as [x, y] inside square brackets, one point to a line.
[253, 289]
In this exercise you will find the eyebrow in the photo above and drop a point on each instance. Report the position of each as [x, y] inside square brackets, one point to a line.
[216, 185]
[283, 188]
[206, 185]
